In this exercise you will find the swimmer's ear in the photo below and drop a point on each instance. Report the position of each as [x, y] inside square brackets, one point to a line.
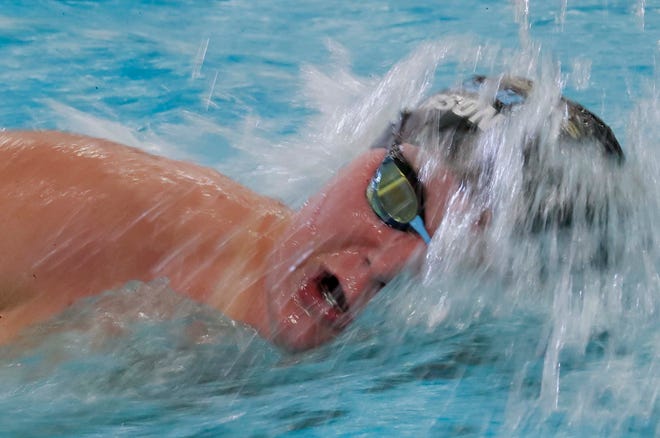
[483, 220]
[480, 219]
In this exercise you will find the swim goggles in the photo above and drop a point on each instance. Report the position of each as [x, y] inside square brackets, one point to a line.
[395, 194]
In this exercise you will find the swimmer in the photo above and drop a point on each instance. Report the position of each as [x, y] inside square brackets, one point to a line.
[83, 215]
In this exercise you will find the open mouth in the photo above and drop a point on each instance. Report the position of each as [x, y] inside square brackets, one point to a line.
[332, 292]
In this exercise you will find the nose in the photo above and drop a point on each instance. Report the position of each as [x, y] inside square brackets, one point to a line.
[388, 259]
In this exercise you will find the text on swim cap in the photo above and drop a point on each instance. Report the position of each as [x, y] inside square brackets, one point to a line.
[477, 112]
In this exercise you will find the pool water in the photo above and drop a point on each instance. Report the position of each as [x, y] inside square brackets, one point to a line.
[532, 341]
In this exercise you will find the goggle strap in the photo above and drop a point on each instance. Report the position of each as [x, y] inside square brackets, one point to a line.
[417, 224]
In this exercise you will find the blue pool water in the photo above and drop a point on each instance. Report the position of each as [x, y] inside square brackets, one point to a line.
[278, 95]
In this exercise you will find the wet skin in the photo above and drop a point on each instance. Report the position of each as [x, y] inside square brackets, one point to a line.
[336, 245]
[79, 216]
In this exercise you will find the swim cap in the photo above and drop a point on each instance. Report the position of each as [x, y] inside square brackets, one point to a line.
[463, 113]
[564, 154]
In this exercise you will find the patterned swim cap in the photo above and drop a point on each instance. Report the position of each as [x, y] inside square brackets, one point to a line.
[461, 124]
[463, 112]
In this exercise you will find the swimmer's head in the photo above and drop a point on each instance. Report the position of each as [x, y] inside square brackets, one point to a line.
[362, 228]
[472, 126]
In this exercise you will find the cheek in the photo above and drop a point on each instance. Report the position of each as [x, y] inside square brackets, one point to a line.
[340, 205]
[337, 213]
[440, 189]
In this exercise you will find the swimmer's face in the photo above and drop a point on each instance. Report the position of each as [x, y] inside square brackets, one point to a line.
[338, 254]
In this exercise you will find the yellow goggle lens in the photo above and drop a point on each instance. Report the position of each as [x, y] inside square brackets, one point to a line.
[396, 196]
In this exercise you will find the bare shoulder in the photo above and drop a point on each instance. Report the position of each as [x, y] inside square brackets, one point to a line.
[53, 144]
[98, 164]
[54, 139]
[48, 152]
